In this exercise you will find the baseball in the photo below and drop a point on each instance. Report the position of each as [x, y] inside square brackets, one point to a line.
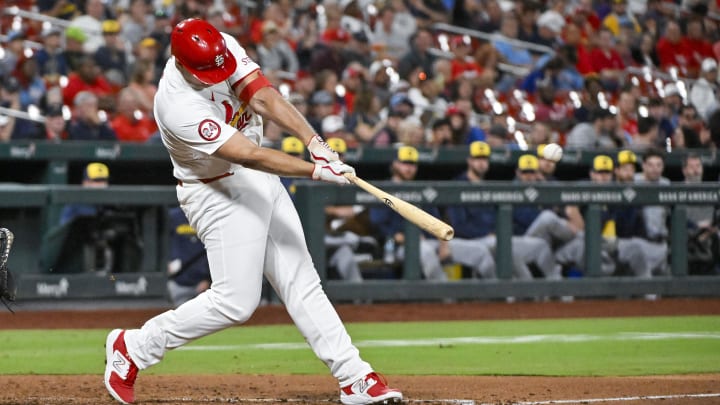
[553, 152]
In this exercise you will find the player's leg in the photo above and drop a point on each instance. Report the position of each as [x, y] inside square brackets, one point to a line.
[550, 227]
[473, 253]
[232, 221]
[343, 259]
[290, 270]
[537, 251]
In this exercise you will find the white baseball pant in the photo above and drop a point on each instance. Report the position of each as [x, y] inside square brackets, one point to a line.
[249, 227]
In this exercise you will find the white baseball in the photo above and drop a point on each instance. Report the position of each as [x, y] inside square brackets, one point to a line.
[553, 152]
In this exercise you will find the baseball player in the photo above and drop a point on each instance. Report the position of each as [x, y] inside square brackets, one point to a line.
[209, 107]
[475, 227]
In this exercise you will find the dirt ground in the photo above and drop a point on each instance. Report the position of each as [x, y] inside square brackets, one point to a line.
[250, 389]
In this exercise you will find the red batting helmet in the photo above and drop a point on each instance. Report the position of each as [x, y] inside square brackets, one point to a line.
[201, 50]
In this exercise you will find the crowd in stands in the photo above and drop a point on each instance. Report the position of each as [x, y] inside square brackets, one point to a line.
[586, 74]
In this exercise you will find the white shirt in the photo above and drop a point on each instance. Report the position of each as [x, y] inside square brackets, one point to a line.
[196, 123]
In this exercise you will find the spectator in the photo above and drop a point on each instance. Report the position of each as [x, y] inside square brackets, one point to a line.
[647, 136]
[411, 132]
[392, 32]
[187, 268]
[13, 50]
[365, 119]
[510, 53]
[32, 86]
[322, 104]
[74, 53]
[703, 91]
[696, 46]
[387, 135]
[389, 224]
[419, 56]
[55, 124]
[619, 17]
[441, 133]
[111, 57]
[137, 23]
[130, 124]
[9, 98]
[606, 61]
[87, 78]
[463, 131]
[549, 26]
[671, 51]
[87, 123]
[598, 133]
[274, 53]
[90, 22]
[148, 50]
[142, 83]
[51, 58]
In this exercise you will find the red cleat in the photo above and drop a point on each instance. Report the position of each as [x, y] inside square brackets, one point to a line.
[371, 389]
[120, 370]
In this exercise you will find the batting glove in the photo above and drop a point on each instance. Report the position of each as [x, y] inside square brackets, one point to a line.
[332, 172]
[320, 151]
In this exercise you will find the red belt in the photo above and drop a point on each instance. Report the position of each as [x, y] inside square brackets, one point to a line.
[209, 180]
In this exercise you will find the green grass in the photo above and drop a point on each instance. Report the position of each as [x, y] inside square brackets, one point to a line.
[591, 347]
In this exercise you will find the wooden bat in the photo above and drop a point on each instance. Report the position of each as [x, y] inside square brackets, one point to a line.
[438, 228]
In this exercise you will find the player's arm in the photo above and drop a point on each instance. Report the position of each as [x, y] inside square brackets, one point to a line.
[241, 150]
[255, 90]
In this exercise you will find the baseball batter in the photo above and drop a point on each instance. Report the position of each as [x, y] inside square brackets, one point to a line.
[209, 108]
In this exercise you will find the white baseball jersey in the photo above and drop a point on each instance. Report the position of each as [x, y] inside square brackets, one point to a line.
[195, 123]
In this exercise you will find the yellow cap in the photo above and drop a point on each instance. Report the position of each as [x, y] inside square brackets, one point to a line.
[96, 171]
[479, 149]
[292, 145]
[337, 144]
[148, 42]
[408, 154]
[528, 162]
[540, 150]
[626, 156]
[602, 163]
[110, 26]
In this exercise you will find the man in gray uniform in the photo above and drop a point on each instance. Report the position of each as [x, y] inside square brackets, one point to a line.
[475, 226]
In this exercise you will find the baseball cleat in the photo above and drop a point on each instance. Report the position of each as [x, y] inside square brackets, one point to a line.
[120, 370]
[371, 389]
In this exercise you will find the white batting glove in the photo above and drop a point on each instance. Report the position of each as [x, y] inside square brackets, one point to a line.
[320, 151]
[332, 172]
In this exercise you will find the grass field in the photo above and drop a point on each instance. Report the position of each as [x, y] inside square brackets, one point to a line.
[571, 347]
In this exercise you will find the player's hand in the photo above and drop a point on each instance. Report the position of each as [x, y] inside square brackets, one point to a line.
[332, 172]
[320, 151]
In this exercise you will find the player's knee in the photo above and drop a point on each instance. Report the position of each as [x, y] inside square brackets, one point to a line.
[236, 307]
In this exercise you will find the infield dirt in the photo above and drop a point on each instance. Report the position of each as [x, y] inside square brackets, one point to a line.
[204, 389]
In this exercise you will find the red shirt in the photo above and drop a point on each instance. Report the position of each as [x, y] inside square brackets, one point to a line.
[697, 50]
[459, 67]
[671, 55]
[610, 60]
[100, 87]
[128, 130]
[584, 63]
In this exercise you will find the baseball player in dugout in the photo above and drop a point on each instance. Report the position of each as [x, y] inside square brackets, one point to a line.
[209, 108]
[390, 226]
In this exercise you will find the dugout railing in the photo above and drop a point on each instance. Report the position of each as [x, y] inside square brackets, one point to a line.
[24, 209]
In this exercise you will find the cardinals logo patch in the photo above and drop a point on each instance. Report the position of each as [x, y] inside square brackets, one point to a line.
[209, 130]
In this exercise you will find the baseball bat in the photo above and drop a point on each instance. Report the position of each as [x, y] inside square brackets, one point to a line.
[438, 228]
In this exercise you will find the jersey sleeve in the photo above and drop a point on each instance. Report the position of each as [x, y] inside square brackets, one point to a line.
[198, 127]
[245, 64]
